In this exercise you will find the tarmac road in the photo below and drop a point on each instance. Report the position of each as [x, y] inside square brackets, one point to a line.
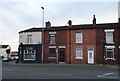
[58, 71]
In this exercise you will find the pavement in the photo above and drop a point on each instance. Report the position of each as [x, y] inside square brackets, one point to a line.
[65, 64]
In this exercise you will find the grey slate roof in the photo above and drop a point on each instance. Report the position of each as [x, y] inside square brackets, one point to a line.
[74, 27]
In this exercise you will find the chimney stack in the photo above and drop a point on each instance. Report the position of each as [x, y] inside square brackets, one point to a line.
[94, 19]
[70, 23]
[48, 24]
[119, 20]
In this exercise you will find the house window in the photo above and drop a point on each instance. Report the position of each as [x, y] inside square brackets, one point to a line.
[110, 53]
[109, 36]
[29, 54]
[78, 37]
[79, 53]
[29, 38]
[52, 52]
[52, 38]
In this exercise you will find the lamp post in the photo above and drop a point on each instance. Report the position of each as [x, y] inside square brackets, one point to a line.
[43, 34]
[1, 50]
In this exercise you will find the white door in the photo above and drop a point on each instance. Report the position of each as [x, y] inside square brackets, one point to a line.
[90, 55]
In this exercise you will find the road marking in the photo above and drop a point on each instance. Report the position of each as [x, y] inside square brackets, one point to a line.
[108, 75]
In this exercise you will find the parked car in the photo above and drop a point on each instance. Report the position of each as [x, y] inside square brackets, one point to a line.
[12, 58]
[16, 57]
[6, 59]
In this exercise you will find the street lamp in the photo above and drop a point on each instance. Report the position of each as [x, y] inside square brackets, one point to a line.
[43, 34]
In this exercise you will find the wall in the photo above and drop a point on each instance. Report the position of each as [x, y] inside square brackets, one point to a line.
[3, 52]
[92, 38]
[36, 37]
[61, 40]
[89, 41]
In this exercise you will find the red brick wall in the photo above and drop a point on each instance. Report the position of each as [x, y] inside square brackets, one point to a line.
[89, 40]
[61, 40]
[100, 39]
[92, 38]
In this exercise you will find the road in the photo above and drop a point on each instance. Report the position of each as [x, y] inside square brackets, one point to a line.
[58, 71]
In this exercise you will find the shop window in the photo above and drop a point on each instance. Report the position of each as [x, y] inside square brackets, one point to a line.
[29, 54]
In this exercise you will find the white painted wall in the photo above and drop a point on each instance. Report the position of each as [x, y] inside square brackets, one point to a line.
[3, 51]
[36, 37]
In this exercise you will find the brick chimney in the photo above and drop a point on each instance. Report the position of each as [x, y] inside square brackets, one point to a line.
[48, 24]
[94, 19]
[70, 23]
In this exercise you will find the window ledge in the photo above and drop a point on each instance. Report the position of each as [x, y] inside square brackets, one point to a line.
[78, 58]
[110, 42]
[52, 43]
[110, 59]
[30, 59]
[78, 42]
[52, 57]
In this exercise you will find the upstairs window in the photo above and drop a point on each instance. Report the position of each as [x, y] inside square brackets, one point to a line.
[78, 37]
[109, 36]
[29, 38]
[52, 37]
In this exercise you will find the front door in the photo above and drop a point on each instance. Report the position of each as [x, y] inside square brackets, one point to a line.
[90, 55]
[62, 55]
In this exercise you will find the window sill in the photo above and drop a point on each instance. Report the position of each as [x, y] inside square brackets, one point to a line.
[30, 59]
[78, 42]
[78, 58]
[110, 59]
[52, 43]
[110, 42]
[52, 57]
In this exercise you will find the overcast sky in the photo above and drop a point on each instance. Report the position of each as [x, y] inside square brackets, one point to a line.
[20, 15]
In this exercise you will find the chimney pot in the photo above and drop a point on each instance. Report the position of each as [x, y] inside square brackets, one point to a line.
[94, 19]
[70, 23]
[48, 24]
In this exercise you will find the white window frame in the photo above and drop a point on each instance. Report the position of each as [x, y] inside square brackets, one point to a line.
[109, 31]
[80, 51]
[79, 35]
[27, 52]
[29, 38]
[110, 50]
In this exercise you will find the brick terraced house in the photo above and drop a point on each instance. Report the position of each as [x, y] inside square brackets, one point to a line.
[81, 44]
